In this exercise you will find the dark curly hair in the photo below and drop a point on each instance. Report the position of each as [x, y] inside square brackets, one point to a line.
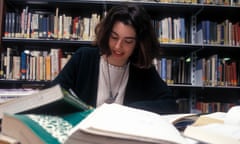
[147, 45]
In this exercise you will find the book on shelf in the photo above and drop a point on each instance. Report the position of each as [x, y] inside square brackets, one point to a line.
[109, 123]
[46, 101]
[217, 127]
[32, 64]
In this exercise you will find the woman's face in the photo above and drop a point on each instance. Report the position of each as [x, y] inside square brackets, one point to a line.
[122, 42]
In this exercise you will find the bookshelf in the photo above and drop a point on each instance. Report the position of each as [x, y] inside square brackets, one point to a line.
[193, 13]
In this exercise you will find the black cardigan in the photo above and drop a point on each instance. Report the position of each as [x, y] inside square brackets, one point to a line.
[145, 89]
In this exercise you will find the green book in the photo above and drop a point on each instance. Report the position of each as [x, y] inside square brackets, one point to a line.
[107, 124]
[51, 101]
[41, 129]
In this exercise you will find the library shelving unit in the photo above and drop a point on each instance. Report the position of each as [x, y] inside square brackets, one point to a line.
[196, 30]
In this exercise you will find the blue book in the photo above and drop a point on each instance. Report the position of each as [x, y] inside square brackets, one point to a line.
[206, 31]
[164, 69]
[183, 30]
[23, 66]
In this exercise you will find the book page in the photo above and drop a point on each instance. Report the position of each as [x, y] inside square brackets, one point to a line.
[216, 117]
[214, 133]
[233, 116]
[125, 122]
[222, 129]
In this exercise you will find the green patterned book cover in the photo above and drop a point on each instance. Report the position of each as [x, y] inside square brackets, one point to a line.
[41, 129]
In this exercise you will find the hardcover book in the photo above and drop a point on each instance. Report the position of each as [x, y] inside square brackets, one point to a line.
[39, 128]
[53, 101]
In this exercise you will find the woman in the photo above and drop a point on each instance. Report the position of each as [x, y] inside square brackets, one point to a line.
[119, 67]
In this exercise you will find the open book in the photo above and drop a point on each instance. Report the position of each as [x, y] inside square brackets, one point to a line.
[217, 128]
[39, 128]
[107, 124]
[53, 100]
[116, 124]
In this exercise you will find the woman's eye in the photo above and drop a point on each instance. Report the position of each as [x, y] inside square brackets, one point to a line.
[129, 41]
[114, 37]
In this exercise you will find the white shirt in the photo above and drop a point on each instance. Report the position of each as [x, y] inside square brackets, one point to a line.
[116, 74]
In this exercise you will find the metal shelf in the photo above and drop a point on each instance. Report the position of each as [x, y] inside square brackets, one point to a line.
[202, 87]
[22, 84]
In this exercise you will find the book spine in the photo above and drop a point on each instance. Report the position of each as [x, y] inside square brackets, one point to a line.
[56, 20]
[10, 24]
[18, 26]
[13, 26]
[9, 64]
[182, 30]
[234, 73]
[164, 69]
[23, 65]
[44, 27]
[16, 67]
[25, 22]
[34, 67]
[29, 20]
[169, 71]
[54, 63]
[51, 27]
[2, 71]
[6, 32]
[86, 30]
[35, 25]
[40, 34]
[48, 67]
[60, 27]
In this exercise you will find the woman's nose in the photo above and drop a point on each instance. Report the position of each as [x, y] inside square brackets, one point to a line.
[118, 44]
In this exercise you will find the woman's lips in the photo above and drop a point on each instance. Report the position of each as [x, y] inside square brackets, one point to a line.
[117, 53]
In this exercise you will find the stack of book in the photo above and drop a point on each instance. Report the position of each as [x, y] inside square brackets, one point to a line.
[39, 118]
